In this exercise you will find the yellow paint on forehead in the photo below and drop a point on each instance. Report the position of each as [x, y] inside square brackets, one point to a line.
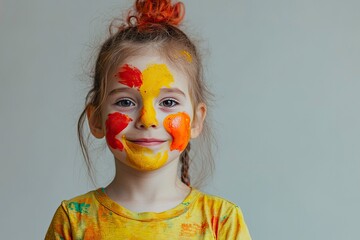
[143, 158]
[155, 77]
[187, 55]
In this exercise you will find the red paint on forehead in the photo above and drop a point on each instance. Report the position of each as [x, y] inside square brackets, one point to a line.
[178, 125]
[115, 123]
[130, 76]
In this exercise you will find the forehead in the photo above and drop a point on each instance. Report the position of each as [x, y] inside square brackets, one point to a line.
[146, 60]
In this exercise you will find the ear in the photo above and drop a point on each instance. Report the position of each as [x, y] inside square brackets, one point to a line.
[95, 123]
[198, 121]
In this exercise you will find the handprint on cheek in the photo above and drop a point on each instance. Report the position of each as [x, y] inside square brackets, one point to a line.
[178, 125]
[115, 123]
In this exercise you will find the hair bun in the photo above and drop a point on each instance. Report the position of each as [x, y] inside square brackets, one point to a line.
[158, 11]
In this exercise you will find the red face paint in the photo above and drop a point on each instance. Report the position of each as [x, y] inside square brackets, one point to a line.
[115, 123]
[178, 125]
[130, 76]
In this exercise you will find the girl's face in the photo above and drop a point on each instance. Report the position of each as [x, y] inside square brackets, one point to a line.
[148, 117]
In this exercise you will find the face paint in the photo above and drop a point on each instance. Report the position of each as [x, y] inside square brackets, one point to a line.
[187, 55]
[155, 77]
[178, 125]
[149, 82]
[143, 158]
[129, 76]
[115, 123]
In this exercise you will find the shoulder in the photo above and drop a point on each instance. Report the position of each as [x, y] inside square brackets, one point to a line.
[226, 217]
[217, 206]
[70, 213]
[81, 203]
[84, 197]
[215, 201]
[216, 198]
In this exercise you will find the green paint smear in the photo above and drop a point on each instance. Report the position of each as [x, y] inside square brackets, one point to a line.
[186, 203]
[79, 207]
[223, 218]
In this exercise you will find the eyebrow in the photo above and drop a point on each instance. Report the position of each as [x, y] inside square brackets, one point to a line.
[163, 90]
[172, 90]
[121, 89]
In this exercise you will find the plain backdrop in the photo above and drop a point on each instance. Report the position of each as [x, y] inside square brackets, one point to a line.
[287, 111]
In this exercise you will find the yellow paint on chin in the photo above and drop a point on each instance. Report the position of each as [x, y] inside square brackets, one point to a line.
[143, 158]
[155, 77]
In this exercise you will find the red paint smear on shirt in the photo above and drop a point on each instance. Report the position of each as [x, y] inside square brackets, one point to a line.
[115, 123]
[130, 76]
[178, 125]
[215, 224]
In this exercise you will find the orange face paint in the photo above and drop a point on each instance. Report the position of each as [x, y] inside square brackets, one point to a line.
[130, 76]
[178, 125]
[115, 123]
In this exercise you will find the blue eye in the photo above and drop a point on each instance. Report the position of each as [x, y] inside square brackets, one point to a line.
[169, 103]
[125, 103]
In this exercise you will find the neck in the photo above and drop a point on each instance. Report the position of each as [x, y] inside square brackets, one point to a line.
[132, 188]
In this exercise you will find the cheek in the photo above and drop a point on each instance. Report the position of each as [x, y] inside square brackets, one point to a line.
[115, 123]
[178, 125]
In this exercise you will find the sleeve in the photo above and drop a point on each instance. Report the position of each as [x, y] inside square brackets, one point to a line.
[233, 226]
[60, 225]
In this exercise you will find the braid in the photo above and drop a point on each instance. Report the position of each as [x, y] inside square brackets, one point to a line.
[185, 165]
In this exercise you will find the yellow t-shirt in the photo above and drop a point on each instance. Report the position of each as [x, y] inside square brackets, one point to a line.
[95, 216]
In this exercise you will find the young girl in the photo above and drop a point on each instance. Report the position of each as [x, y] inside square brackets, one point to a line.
[148, 101]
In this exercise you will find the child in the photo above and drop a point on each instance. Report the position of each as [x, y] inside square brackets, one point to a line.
[148, 100]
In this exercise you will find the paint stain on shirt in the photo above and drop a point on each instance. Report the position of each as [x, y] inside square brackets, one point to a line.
[81, 208]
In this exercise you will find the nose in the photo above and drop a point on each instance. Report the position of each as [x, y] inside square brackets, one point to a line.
[147, 118]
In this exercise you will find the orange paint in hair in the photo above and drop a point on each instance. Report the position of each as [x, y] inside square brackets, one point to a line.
[158, 12]
[178, 125]
[130, 76]
[115, 123]
[186, 55]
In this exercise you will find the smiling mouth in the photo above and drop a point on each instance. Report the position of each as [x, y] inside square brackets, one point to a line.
[147, 141]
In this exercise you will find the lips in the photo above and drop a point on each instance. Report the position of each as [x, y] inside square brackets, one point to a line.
[147, 141]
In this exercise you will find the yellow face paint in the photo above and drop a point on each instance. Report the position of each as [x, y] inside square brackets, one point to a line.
[187, 55]
[143, 158]
[155, 77]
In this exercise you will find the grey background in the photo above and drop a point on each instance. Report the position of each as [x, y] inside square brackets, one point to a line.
[286, 76]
